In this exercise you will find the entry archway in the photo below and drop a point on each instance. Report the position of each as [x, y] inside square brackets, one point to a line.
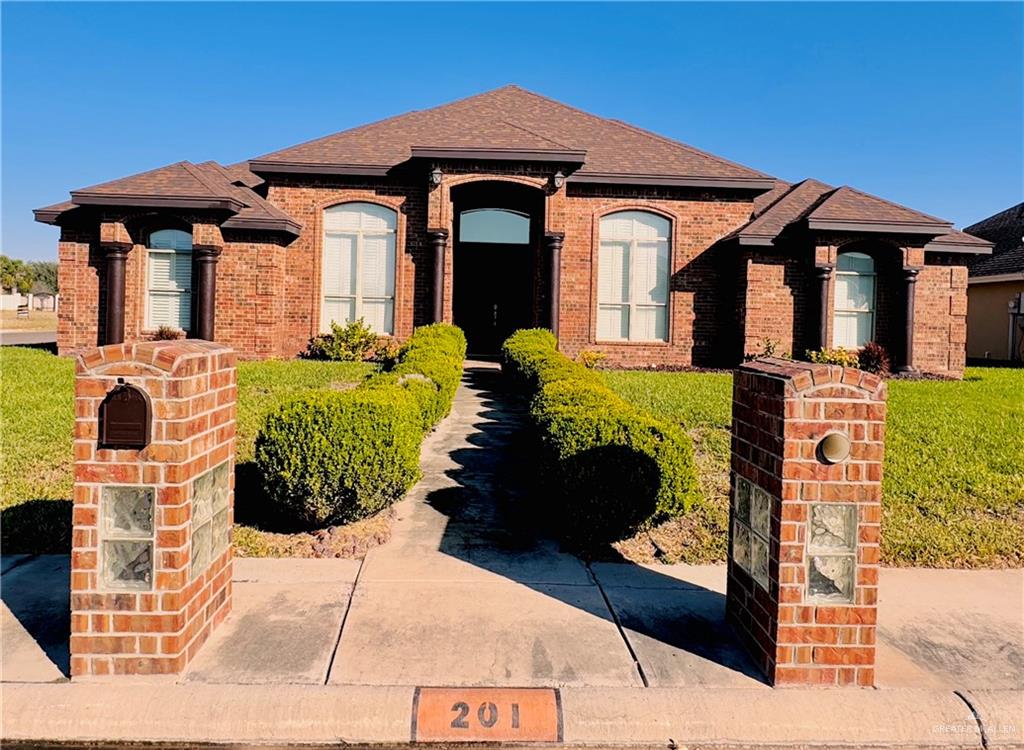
[498, 269]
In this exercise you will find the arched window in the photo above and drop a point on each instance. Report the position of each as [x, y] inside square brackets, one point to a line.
[632, 277]
[854, 321]
[359, 266]
[169, 279]
[497, 225]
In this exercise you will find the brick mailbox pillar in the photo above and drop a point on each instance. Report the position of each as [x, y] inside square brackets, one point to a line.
[153, 504]
[805, 519]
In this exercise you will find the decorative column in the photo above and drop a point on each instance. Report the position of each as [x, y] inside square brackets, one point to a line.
[116, 244]
[207, 243]
[824, 274]
[910, 285]
[554, 240]
[438, 241]
[206, 302]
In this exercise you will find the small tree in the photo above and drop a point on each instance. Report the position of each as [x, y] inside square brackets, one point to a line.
[45, 274]
[15, 275]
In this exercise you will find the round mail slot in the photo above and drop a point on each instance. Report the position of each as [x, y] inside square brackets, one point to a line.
[834, 448]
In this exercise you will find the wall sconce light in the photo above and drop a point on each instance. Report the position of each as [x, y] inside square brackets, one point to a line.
[558, 179]
[435, 177]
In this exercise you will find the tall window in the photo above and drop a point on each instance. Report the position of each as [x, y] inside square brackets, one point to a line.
[854, 321]
[359, 266]
[169, 279]
[632, 277]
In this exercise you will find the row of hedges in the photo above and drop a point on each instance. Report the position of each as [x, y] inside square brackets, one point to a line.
[610, 467]
[336, 456]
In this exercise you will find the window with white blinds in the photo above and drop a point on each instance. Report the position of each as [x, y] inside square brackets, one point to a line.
[359, 266]
[169, 279]
[854, 320]
[632, 277]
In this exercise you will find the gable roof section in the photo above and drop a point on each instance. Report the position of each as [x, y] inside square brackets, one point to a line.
[185, 185]
[850, 209]
[513, 123]
[790, 206]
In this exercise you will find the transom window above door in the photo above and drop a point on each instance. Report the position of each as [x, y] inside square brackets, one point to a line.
[633, 277]
[495, 225]
[359, 266]
[169, 279]
[854, 308]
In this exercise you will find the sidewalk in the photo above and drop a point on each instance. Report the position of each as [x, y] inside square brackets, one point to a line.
[466, 594]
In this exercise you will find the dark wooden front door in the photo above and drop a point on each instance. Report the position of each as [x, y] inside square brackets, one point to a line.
[493, 293]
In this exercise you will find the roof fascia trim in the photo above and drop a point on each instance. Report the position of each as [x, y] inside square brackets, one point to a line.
[846, 225]
[157, 201]
[294, 167]
[761, 184]
[573, 156]
[995, 278]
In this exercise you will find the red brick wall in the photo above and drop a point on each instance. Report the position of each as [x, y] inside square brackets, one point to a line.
[781, 410]
[724, 300]
[156, 627]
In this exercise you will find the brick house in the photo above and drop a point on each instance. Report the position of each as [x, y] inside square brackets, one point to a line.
[503, 210]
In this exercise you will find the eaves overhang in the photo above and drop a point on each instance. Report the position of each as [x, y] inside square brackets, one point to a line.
[561, 156]
[295, 167]
[144, 200]
[281, 225]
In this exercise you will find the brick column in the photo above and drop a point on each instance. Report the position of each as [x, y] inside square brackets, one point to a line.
[153, 503]
[805, 520]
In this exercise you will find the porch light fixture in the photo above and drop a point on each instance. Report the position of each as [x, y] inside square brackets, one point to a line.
[558, 179]
[435, 177]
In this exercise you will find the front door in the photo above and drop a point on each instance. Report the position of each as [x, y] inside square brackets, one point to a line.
[493, 294]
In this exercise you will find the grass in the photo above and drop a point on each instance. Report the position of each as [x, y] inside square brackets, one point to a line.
[954, 467]
[36, 421]
[37, 320]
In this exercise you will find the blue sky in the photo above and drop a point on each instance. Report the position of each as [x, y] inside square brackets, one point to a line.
[920, 103]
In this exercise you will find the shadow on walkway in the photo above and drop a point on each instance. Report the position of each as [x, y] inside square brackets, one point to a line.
[492, 524]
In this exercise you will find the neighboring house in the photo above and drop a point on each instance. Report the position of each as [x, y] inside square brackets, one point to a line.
[504, 210]
[995, 289]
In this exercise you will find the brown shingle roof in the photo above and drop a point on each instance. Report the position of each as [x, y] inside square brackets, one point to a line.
[790, 206]
[850, 206]
[185, 185]
[1005, 229]
[513, 119]
[1008, 261]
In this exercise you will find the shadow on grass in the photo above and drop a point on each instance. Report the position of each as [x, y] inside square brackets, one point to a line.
[36, 527]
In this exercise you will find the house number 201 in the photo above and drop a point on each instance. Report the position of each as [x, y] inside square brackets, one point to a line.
[486, 715]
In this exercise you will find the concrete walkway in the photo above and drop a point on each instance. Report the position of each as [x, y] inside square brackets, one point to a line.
[467, 593]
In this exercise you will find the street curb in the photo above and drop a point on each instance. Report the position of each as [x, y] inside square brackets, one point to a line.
[610, 717]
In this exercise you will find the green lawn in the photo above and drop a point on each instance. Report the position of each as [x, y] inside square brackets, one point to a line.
[954, 465]
[37, 416]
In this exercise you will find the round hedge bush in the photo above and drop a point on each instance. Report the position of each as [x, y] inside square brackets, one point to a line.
[334, 457]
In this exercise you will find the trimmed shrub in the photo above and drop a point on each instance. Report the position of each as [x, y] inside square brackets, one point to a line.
[610, 467]
[837, 356]
[333, 457]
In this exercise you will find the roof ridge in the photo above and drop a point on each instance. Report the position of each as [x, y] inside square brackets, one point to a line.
[634, 128]
[893, 204]
[538, 135]
[790, 187]
[203, 179]
[367, 125]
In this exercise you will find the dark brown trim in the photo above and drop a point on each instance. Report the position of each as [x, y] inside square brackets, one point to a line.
[553, 241]
[158, 201]
[570, 156]
[50, 215]
[438, 240]
[760, 184]
[296, 167]
[847, 225]
[115, 256]
[957, 247]
[824, 274]
[206, 301]
[271, 225]
[910, 279]
[756, 240]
